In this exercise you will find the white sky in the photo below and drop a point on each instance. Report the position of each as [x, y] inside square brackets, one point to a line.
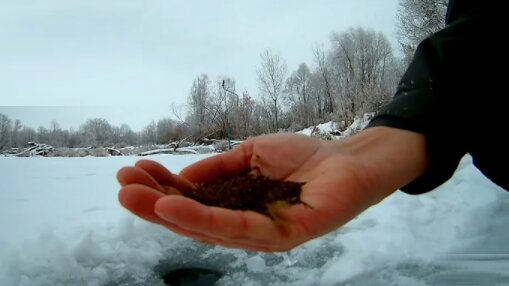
[134, 58]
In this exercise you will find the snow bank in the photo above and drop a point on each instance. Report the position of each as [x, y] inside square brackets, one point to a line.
[331, 128]
[358, 124]
[324, 128]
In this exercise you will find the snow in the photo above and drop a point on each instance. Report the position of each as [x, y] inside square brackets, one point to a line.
[61, 224]
[199, 149]
[168, 151]
[358, 124]
[324, 127]
[35, 149]
[332, 127]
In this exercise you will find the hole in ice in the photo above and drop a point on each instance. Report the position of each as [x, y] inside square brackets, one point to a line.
[191, 277]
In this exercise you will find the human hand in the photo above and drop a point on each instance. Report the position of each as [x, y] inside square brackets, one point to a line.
[340, 182]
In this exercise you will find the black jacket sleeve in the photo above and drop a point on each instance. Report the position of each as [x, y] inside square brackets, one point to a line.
[439, 96]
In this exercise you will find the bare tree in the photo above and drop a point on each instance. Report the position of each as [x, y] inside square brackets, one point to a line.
[244, 115]
[224, 106]
[300, 98]
[5, 130]
[166, 130]
[418, 19]
[271, 77]
[15, 138]
[178, 112]
[198, 101]
[57, 137]
[96, 132]
[360, 62]
[260, 120]
[325, 76]
[43, 135]
[148, 135]
[26, 135]
[121, 136]
[182, 127]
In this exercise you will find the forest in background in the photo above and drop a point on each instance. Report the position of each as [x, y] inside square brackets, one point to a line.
[356, 73]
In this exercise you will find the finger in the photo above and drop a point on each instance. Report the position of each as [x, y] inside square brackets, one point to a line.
[140, 200]
[133, 175]
[160, 173]
[213, 222]
[164, 177]
[276, 158]
[216, 241]
[227, 164]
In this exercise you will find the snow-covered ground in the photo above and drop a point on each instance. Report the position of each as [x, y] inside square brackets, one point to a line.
[332, 127]
[61, 224]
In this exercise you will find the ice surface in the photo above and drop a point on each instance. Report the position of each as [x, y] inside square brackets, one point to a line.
[61, 224]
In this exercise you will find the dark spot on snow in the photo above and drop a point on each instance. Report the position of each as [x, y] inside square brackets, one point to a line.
[192, 277]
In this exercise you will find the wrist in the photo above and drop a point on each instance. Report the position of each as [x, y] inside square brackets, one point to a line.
[392, 157]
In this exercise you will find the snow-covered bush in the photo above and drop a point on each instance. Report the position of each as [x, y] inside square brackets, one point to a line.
[35, 149]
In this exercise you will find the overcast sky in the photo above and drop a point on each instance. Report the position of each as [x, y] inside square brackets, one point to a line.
[129, 60]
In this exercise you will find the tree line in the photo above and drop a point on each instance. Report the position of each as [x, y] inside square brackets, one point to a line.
[95, 132]
[356, 73]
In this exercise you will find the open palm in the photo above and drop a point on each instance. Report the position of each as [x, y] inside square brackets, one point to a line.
[337, 188]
